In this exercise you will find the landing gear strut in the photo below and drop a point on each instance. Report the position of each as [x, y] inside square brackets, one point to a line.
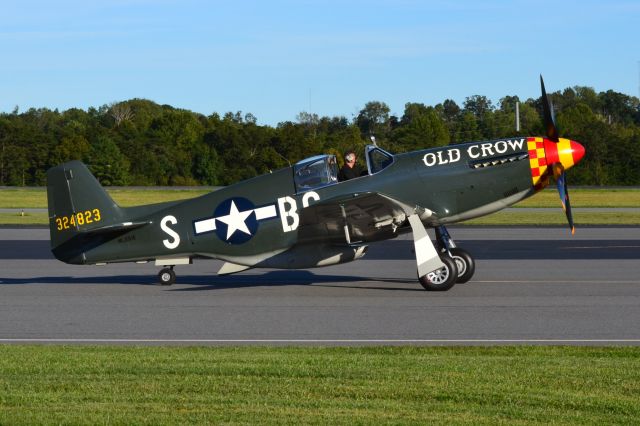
[439, 268]
[436, 272]
[464, 262]
[166, 276]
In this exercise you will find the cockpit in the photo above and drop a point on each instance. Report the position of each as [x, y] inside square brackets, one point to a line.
[322, 170]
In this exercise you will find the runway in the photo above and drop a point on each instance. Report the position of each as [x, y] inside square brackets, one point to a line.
[532, 285]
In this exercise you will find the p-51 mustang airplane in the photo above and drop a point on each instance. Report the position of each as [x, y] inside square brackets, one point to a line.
[302, 217]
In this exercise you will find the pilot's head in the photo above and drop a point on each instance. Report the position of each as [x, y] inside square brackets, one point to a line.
[350, 158]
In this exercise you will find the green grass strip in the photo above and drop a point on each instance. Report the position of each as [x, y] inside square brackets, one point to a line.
[29, 219]
[545, 218]
[585, 198]
[258, 385]
[37, 198]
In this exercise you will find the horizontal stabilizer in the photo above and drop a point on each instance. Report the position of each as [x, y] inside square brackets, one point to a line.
[115, 228]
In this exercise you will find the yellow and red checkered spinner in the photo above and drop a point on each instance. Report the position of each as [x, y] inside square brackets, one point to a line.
[544, 153]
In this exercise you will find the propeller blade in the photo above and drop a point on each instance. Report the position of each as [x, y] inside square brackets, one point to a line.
[549, 116]
[563, 190]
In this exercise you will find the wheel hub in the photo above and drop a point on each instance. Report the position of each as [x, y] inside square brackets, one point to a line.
[439, 276]
[461, 265]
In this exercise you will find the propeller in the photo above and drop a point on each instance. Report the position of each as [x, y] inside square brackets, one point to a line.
[563, 190]
[558, 167]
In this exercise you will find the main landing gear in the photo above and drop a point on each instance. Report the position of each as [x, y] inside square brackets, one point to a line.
[439, 269]
[167, 276]
[464, 262]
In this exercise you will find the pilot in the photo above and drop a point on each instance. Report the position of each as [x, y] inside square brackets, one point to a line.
[349, 170]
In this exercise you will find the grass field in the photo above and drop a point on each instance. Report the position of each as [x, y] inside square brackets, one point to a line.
[586, 198]
[36, 198]
[462, 385]
[546, 218]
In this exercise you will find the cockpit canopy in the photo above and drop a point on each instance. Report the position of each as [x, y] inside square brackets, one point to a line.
[322, 170]
[315, 172]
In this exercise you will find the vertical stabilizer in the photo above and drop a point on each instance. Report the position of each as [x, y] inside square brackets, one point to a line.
[77, 204]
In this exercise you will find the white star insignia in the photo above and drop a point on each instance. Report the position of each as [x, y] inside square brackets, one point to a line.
[235, 220]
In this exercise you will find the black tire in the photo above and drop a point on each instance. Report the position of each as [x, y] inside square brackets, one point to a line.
[166, 276]
[465, 264]
[442, 279]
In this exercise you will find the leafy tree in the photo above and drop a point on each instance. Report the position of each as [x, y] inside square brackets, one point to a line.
[172, 139]
[478, 105]
[206, 165]
[466, 129]
[619, 107]
[70, 148]
[373, 119]
[580, 123]
[451, 111]
[142, 142]
[107, 163]
[421, 127]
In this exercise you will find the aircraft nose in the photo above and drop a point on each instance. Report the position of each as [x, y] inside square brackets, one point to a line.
[565, 151]
[577, 151]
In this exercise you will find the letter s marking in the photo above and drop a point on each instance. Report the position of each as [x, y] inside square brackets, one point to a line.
[170, 244]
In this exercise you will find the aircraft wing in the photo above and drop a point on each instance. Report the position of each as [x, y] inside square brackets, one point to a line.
[353, 219]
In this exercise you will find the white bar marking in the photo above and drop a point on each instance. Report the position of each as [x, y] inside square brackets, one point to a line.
[206, 225]
[266, 212]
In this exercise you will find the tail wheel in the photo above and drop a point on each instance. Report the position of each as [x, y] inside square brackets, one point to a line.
[465, 264]
[166, 276]
[441, 279]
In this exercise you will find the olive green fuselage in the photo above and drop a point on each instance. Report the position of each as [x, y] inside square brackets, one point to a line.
[447, 184]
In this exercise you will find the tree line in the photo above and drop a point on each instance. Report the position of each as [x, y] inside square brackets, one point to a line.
[139, 142]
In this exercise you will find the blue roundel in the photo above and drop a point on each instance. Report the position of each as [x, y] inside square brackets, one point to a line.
[236, 221]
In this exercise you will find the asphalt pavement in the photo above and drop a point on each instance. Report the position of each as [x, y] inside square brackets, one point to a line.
[532, 285]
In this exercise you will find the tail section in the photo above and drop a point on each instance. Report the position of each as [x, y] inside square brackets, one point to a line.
[79, 208]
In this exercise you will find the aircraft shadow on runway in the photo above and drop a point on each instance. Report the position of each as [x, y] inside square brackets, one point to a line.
[403, 249]
[521, 249]
[213, 282]
[389, 250]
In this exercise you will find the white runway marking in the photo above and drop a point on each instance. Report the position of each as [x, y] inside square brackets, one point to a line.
[555, 281]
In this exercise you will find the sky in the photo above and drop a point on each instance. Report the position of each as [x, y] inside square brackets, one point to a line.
[277, 58]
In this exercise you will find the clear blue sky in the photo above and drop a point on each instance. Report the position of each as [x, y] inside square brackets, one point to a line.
[276, 58]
